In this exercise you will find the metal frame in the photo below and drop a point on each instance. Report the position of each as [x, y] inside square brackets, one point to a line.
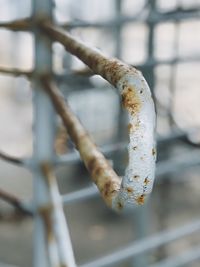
[46, 192]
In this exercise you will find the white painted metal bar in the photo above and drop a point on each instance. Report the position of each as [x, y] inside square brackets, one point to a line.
[43, 130]
[59, 224]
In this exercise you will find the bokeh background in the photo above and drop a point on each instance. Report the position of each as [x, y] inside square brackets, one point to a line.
[162, 39]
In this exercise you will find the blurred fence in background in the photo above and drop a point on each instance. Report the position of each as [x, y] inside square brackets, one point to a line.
[162, 39]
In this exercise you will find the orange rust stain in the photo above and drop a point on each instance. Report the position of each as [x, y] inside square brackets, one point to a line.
[129, 190]
[140, 199]
[131, 100]
[115, 70]
[133, 127]
[153, 151]
[112, 70]
[95, 168]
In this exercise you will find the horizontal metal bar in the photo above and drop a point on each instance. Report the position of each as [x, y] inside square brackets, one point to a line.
[85, 193]
[181, 259]
[182, 162]
[156, 17]
[145, 244]
[74, 156]
[175, 60]
[73, 79]
[24, 24]
[22, 207]
[15, 72]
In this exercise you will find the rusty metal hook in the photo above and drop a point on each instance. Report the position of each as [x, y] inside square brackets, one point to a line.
[136, 98]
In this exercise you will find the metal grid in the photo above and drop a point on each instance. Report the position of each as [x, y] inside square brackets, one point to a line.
[44, 118]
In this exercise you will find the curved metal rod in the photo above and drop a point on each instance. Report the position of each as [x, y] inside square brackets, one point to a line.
[136, 98]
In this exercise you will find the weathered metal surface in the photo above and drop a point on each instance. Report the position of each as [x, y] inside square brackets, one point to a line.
[117, 195]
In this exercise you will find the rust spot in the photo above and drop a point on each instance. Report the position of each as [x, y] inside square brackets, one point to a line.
[146, 181]
[153, 151]
[129, 190]
[131, 100]
[136, 177]
[91, 164]
[140, 199]
[97, 167]
[94, 168]
[107, 187]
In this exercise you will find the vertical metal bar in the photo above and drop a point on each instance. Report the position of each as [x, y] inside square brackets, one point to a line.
[121, 120]
[43, 129]
[149, 72]
[117, 33]
[141, 216]
[173, 74]
[59, 223]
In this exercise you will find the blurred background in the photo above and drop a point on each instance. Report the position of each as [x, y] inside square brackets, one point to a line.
[162, 39]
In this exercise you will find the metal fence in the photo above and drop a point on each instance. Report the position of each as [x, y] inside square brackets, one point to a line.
[52, 243]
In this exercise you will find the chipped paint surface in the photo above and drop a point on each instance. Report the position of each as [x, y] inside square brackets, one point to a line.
[137, 100]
